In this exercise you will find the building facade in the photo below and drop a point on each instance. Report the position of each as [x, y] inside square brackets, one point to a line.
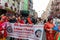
[30, 6]
[55, 8]
[10, 5]
[26, 5]
[46, 13]
[17, 5]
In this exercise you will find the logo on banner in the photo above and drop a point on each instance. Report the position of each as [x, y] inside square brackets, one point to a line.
[38, 33]
[9, 28]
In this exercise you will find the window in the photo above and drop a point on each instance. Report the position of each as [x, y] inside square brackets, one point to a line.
[13, 4]
[56, 4]
[13, 0]
[57, 9]
[30, 1]
[15, 9]
[11, 8]
[6, 4]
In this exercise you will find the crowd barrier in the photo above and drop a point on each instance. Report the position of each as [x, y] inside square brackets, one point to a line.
[25, 31]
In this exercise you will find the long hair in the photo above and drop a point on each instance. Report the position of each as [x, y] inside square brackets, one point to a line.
[49, 19]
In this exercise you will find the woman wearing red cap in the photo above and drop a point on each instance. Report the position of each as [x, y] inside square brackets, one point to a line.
[48, 29]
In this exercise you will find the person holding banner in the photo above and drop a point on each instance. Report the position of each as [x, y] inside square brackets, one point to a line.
[48, 29]
[29, 20]
[20, 20]
[3, 33]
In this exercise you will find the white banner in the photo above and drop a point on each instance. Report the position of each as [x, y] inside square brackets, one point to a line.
[30, 32]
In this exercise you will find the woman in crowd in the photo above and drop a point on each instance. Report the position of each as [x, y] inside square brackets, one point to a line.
[48, 29]
[3, 33]
[20, 20]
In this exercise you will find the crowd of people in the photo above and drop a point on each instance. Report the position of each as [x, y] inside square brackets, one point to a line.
[16, 19]
[26, 20]
[20, 19]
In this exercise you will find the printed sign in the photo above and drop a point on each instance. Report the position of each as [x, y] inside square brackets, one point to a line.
[25, 31]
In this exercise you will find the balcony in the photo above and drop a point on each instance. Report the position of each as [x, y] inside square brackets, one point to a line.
[55, 3]
[54, 7]
[57, 0]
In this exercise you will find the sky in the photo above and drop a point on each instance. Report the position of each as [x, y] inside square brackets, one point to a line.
[40, 6]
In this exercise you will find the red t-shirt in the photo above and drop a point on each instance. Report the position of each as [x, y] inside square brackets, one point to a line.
[29, 20]
[21, 21]
[1, 28]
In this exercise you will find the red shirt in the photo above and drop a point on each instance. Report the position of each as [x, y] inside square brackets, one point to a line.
[1, 22]
[22, 21]
[29, 20]
[1, 28]
[49, 36]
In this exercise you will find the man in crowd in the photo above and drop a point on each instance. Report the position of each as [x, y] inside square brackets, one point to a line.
[29, 19]
[12, 19]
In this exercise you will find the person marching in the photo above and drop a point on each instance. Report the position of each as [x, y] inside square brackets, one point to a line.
[48, 29]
